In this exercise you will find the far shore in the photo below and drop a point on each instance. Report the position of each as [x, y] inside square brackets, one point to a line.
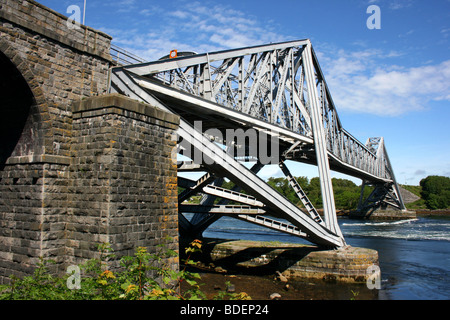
[427, 212]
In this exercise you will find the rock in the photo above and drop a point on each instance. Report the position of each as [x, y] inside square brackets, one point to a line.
[220, 270]
[281, 277]
[286, 287]
[275, 296]
[231, 288]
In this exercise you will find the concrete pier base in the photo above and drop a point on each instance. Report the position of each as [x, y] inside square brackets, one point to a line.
[384, 215]
[297, 261]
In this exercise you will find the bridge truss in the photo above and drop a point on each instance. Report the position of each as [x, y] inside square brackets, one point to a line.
[260, 105]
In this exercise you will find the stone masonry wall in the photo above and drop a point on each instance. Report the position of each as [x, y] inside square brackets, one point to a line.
[119, 187]
[32, 209]
[124, 182]
[61, 65]
[83, 171]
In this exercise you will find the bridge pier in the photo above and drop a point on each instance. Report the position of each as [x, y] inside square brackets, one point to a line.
[124, 180]
[76, 168]
[119, 186]
[295, 261]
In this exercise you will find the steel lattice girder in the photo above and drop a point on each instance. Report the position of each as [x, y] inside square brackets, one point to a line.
[268, 84]
[384, 194]
[278, 89]
[224, 165]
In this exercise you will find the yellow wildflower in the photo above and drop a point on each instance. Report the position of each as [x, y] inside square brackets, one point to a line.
[130, 288]
[156, 292]
[108, 274]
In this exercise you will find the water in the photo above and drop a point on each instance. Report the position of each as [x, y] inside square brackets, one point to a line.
[414, 254]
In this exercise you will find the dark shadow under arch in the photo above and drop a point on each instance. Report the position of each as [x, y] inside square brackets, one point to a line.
[16, 101]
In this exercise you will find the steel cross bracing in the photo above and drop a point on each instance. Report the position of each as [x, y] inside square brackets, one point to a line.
[272, 99]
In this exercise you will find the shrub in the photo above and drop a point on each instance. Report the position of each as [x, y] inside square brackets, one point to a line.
[436, 192]
[143, 276]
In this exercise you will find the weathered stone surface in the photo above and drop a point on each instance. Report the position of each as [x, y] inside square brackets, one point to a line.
[124, 179]
[408, 196]
[380, 214]
[347, 264]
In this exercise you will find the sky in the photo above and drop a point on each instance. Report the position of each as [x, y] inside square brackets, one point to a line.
[392, 81]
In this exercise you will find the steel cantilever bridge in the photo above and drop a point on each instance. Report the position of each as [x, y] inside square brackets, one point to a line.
[238, 106]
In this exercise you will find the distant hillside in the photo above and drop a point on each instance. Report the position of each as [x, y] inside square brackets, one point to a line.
[409, 193]
[433, 193]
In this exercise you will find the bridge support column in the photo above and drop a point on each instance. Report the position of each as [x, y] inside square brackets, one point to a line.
[124, 180]
[320, 146]
[33, 206]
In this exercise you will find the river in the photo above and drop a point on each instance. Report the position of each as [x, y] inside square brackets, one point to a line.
[414, 255]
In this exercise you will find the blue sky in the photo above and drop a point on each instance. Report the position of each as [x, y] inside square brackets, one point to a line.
[392, 82]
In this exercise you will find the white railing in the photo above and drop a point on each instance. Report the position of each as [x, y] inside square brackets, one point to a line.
[123, 57]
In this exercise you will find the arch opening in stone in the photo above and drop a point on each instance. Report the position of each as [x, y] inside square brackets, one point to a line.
[16, 100]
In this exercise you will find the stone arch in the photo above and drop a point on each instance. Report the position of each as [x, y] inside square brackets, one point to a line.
[24, 116]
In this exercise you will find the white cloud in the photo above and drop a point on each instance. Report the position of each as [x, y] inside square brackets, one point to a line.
[400, 4]
[445, 32]
[364, 81]
[198, 27]
[179, 14]
[270, 171]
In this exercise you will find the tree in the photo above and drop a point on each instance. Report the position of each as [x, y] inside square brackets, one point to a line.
[282, 186]
[436, 192]
[346, 194]
[345, 191]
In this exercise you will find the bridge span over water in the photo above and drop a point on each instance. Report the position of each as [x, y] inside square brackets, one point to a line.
[264, 105]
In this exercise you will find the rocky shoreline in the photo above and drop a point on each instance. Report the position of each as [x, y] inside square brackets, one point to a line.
[280, 271]
[431, 213]
[274, 287]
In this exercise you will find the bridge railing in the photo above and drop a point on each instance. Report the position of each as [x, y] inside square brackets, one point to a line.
[123, 57]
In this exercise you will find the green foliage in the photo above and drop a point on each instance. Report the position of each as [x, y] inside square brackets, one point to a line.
[433, 190]
[355, 294]
[346, 193]
[143, 276]
[436, 192]
[417, 190]
[283, 187]
[224, 295]
[32, 287]
[418, 204]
